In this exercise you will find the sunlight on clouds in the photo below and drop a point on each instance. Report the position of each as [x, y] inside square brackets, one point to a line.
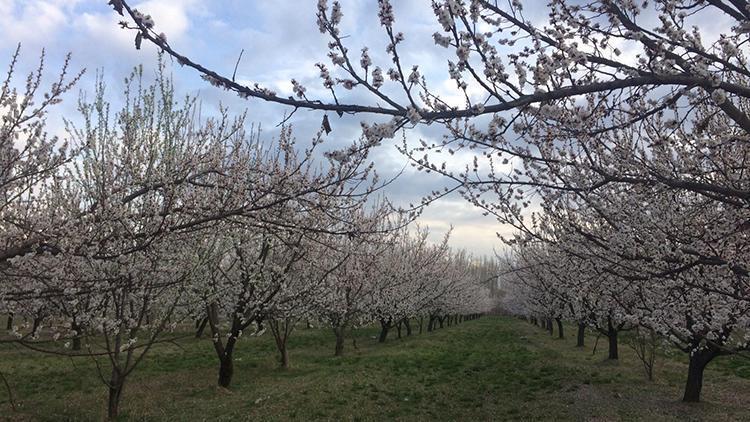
[170, 17]
[31, 22]
[100, 26]
[471, 230]
[454, 97]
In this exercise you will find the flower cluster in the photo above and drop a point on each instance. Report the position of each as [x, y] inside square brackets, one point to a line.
[385, 13]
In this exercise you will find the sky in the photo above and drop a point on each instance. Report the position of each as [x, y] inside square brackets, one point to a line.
[281, 41]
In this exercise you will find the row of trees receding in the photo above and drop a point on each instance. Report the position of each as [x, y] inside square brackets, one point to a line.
[145, 220]
[614, 135]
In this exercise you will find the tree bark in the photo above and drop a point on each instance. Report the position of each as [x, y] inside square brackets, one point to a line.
[612, 337]
[200, 327]
[694, 384]
[284, 356]
[407, 324]
[116, 385]
[339, 332]
[226, 369]
[549, 326]
[281, 331]
[76, 343]
[560, 333]
[77, 337]
[581, 335]
[384, 327]
[224, 352]
[9, 323]
[281, 347]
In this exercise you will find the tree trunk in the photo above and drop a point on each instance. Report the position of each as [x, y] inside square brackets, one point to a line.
[612, 337]
[200, 327]
[559, 328]
[440, 320]
[284, 356]
[281, 331]
[339, 332]
[398, 329]
[226, 369]
[116, 384]
[384, 327]
[581, 335]
[421, 323]
[694, 384]
[407, 324]
[77, 337]
[76, 343]
[549, 326]
[9, 323]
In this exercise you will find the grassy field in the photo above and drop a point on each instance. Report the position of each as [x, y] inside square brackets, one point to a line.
[494, 368]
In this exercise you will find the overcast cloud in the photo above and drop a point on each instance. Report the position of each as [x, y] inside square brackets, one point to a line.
[281, 42]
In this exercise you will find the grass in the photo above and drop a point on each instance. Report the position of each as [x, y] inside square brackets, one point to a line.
[494, 368]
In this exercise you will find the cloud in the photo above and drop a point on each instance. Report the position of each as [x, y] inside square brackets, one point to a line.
[471, 230]
[32, 22]
[101, 25]
[281, 42]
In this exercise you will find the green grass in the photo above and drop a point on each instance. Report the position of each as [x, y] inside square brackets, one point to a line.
[494, 368]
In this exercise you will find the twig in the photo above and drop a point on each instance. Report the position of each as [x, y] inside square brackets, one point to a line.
[287, 117]
[10, 391]
[593, 352]
[236, 65]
